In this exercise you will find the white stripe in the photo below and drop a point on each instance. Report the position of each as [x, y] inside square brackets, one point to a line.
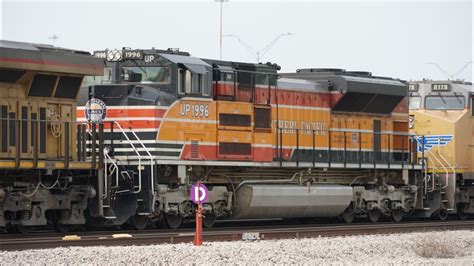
[149, 149]
[184, 120]
[126, 118]
[301, 107]
[116, 130]
[196, 99]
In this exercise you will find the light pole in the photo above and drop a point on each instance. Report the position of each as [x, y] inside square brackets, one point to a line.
[220, 35]
[258, 54]
[54, 38]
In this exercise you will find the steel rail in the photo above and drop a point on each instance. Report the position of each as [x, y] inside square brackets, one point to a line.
[224, 234]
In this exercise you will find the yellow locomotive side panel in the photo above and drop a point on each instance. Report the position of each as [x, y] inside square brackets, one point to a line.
[453, 123]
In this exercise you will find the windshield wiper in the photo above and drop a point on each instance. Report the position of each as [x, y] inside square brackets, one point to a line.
[457, 98]
[442, 98]
[141, 68]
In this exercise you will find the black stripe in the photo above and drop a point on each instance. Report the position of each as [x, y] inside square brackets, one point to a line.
[148, 145]
[142, 153]
[351, 156]
[119, 135]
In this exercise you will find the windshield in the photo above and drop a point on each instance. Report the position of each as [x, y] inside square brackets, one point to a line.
[444, 102]
[415, 103]
[97, 80]
[146, 74]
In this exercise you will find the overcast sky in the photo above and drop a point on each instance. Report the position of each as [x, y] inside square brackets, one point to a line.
[387, 38]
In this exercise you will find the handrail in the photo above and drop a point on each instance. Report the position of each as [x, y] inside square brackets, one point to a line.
[106, 168]
[152, 162]
[435, 159]
[139, 158]
[447, 163]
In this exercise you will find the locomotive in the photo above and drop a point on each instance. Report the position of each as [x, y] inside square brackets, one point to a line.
[125, 147]
[442, 111]
[45, 179]
[314, 143]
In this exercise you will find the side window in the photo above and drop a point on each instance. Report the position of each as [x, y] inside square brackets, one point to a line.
[192, 83]
[184, 81]
[187, 81]
[472, 105]
[197, 81]
[181, 81]
[206, 83]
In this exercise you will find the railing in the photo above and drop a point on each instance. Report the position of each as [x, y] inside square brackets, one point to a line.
[150, 156]
[28, 139]
[345, 146]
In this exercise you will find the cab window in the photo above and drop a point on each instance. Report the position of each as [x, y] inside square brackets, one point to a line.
[414, 103]
[140, 74]
[97, 80]
[445, 102]
[192, 82]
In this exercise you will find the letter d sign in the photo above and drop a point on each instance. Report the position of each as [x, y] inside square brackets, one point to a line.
[199, 193]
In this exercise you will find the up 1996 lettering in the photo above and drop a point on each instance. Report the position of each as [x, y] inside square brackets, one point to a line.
[196, 110]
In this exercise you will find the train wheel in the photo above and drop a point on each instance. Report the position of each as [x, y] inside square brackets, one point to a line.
[462, 215]
[173, 220]
[397, 215]
[442, 214]
[64, 228]
[139, 222]
[349, 214]
[374, 215]
[209, 220]
[18, 228]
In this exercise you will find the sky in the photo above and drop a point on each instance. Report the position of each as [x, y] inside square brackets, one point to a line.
[387, 38]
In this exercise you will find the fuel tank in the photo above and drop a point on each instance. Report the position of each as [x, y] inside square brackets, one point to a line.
[255, 201]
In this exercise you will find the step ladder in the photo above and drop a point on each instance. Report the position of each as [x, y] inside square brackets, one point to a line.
[442, 177]
[114, 174]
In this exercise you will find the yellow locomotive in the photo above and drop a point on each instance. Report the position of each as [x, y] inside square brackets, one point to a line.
[442, 112]
[46, 172]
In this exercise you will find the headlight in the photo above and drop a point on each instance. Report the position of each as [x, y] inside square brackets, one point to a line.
[114, 55]
[411, 121]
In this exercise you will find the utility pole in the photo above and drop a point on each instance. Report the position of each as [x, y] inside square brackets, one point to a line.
[220, 35]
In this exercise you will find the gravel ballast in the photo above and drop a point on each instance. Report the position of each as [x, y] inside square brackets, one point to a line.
[446, 247]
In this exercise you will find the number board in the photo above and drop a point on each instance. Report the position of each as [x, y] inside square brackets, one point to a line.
[440, 87]
[100, 54]
[413, 87]
[133, 54]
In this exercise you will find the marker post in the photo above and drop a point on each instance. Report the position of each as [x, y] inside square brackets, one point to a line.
[198, 234]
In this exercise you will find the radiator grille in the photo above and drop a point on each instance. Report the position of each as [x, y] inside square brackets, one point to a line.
[229, 148]
[194, 149]
[236, 120]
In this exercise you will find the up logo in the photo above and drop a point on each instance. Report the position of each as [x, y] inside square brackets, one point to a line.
[96, 111]
[431, 141]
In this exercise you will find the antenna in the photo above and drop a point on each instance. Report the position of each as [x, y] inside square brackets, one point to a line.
[54, 38]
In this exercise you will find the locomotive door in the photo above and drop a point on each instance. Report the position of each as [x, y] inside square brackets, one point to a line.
[377, 140]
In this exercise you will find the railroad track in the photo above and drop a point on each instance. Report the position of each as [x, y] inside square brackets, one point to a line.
[38, 241]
